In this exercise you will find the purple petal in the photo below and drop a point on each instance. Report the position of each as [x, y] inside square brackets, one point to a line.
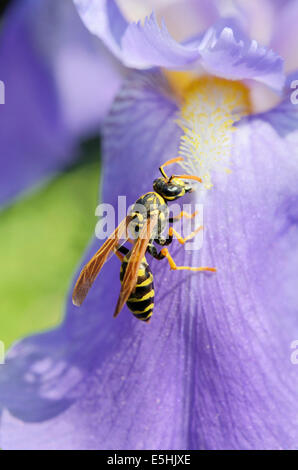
[221, 50]
[285, 36]
[59, 83]
[137, 45]
[212, 370]
[104, 19]
[284, 117]
[70, 357]
[197, 16]
[228, 53]
[149, 44]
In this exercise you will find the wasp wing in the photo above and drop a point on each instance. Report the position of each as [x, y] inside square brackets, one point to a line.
[91, 270]
[137, 253]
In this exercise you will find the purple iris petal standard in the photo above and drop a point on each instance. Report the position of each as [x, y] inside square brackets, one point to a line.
[59, 83]
[105, 20]
[284, 117]
[228, 53]
[222, 51]
[212, 370]
[285, 36]
[138, 46]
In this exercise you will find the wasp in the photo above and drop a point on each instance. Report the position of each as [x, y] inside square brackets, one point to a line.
[147, 221]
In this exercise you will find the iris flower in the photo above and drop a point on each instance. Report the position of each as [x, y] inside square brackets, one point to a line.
[213, 368]
[54, 72]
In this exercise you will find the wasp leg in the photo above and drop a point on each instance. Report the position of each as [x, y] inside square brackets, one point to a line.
[167, 241]
[166, 254]
[182, 240]
[164, 241]
[182, 214]
[151, 249]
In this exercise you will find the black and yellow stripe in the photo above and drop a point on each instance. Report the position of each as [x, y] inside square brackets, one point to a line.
[142, 209]
[141, 301]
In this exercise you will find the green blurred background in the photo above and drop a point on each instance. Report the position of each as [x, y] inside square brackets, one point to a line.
[42, 238]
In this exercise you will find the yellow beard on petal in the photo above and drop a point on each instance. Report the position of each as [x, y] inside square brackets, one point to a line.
[210, 107]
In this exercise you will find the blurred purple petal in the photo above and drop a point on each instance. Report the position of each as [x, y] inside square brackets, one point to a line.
[197, 16]
[212, 369]
[59, 83]
[104, 19]
[285, 35]
[221, 50]
[284, 117]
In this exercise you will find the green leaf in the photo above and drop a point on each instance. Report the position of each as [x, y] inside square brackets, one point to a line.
[42, 239]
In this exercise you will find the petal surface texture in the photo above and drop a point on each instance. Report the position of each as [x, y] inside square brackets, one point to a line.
[213, 368]
[222, 50]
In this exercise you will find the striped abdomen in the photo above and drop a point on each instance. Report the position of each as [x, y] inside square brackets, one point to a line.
[141, 301]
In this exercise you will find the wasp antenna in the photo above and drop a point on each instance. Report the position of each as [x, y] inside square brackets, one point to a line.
[173, 160]
[163, 173]
[188, 177]
[169, 162]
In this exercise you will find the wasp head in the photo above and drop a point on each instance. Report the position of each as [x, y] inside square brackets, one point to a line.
[172, 188]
